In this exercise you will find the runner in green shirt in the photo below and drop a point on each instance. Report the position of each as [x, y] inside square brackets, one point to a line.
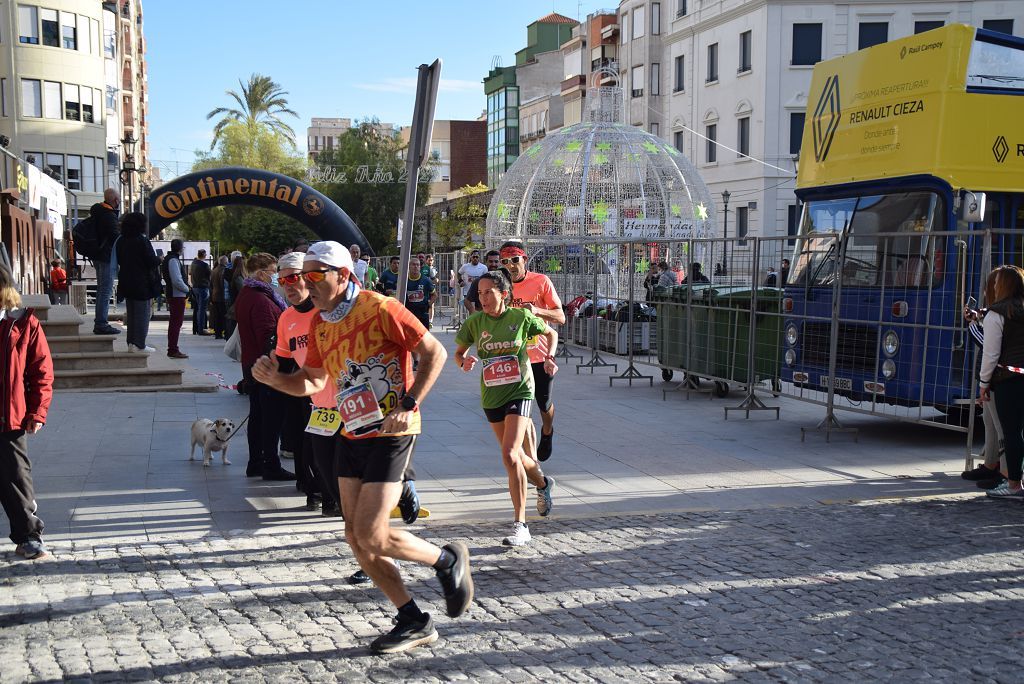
[500, 334]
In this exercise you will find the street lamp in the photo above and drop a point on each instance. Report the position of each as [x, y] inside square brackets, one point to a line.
[725, 233]
[128, 166]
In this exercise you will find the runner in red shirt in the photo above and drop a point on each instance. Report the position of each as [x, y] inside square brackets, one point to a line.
[534, 292]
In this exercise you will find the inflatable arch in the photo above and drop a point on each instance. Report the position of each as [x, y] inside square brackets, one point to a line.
[253, 187]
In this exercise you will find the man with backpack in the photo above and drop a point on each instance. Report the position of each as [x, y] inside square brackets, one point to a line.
[176, 285]
[94, 238]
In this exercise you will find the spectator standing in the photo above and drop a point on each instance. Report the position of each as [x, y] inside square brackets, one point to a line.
[27, 386]
[469, 272]
[234, 282]
[104, 216]
[359, 267]
[784, 273]
[696, 275]
[200, 275]
[666, 278]
[138, 280]
[218, 308]
[176, 287]
[678, 272]
[58, 282]
[493, 259]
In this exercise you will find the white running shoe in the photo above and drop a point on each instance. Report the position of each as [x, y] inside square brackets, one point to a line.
[544, 497]
[132, 349]
[286, 454]
[520, 535]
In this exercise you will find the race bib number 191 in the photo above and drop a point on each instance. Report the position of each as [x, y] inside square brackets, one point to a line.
[323, 421]
[358, 407]
[501, 370]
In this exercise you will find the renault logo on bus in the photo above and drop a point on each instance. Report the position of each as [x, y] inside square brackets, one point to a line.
[1000, 149]
[826, 118]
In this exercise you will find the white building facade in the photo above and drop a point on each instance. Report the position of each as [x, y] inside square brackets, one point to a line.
[726, 82]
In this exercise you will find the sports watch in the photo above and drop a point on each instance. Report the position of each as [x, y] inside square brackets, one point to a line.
[409, 402]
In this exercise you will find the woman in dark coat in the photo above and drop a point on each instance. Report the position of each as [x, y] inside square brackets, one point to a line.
[235, 281]
[138, 280]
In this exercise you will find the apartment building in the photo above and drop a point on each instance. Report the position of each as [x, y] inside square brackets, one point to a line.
[324, 133]
[458, 153]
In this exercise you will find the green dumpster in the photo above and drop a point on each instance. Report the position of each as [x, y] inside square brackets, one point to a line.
[730, 323]
[679, 345]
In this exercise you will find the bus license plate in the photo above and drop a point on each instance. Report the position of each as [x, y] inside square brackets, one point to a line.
[837, 383]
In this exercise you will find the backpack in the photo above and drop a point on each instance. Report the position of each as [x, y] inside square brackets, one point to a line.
[84, 236]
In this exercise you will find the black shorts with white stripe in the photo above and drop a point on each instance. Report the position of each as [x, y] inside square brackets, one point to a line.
[518, 407]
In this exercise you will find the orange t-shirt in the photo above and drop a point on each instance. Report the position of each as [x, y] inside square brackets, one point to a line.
[536, 289]
[292, 337]
[58, 279]
[372, 344]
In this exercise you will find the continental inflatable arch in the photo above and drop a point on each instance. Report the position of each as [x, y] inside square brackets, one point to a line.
[253, 187]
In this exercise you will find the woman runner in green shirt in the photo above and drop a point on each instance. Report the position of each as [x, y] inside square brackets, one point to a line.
[500, 334]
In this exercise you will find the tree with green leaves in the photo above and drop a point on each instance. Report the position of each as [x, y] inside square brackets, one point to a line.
[261, 105]
[464, 222]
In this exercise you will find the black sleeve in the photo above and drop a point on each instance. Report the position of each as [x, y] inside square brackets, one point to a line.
[106, 226]
[473, 293]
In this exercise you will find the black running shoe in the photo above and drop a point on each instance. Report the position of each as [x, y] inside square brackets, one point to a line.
[359, 577]
[980, 473]
[457, 581]
[409, 503]
[990, 483]
[313, 502]
[331, 510]
[406, 635]
[544, 446]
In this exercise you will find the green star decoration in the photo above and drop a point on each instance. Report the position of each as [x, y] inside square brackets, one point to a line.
[559, 209]
[573, 146]
[503, 211]
[643, 266]
[671, 150]
[702, 212]
[559, 162]
[677, 210]
[553, 265]
[600, 211]
[534, 149]
[535, 216]
[651, 147]
[604, 146]
[599, 158]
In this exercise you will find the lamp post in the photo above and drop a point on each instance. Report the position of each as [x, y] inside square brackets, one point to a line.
[128, 168]
[725, 233]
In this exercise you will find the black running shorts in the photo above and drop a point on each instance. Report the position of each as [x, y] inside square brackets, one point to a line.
[542, 386]
[519, 407]
[374, 459]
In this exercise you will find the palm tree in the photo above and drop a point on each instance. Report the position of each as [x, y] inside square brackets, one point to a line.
[261, 105]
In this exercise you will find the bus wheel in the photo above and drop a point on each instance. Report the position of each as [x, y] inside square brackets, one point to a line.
[666, 374]
[721, 389]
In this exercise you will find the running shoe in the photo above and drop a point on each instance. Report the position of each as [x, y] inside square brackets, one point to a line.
[457, 581]
[1003, 491]
[544, 446]
[331, 510]
[544, 497]
[990, 484]
[980, 472]
[33, 549]
[359, 577]
[409, 503]
[406, 634]
[520, 535]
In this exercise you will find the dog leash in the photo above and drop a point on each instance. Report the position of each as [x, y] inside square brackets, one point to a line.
[236, 429]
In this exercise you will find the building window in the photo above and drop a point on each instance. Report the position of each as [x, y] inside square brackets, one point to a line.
[87, 109]
[74, 178]
[89, 174]
[111, 103]
[72, 105]
[624, 28]
[792, 222]
[51, 29]
[681, 8]
[743, 136]
[3, 96]
[712, 63]
[109, 35]
[28, 25]
[796, 131]
[745, 46]
[655, 129]
[97, 102]
[677, 140]
[655, 78]
[639, 22]
[655, 18]
[84, 35]
[69, 30]
[53, 103]
[742, 223]
[711, 133]
[31, 98]
[680, 82]
[56, 163]
[872, 33]
[1000, 25]
[922, 26]
[35, 159]
[636, 81]
[94, 35]
[806, 44]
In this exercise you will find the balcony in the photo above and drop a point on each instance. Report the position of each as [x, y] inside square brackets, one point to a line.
[604, 63]
[574, 83]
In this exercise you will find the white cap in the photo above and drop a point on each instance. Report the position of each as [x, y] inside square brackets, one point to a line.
[330, 253]
[234, 254]
[290, 260]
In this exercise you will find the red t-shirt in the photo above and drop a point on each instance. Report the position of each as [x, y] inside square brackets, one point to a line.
[536, 289]
[292, 339]
[58, 279]
[373, 344]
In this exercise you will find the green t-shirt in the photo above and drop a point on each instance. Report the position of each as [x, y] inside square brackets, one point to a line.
[371, 276]
[506, 336]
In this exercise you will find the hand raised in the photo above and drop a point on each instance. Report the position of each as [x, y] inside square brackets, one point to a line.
[266, 368]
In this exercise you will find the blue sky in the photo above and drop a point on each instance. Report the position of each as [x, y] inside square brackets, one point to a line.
[335, 59]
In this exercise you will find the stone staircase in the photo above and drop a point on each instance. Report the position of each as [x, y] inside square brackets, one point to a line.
[86, 362]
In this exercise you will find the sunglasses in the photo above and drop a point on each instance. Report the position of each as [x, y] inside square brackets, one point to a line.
[290, 279]
[511, 260]
[316, 276]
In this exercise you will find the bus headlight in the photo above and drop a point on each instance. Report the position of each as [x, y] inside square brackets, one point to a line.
[790, 357]
[791, 335]
[891, 343]
[888, 369]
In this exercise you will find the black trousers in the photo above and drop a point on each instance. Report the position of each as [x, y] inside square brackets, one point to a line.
[218, 315]
[266, 417]
[1009, 398]
[294, 439]
[16, 491]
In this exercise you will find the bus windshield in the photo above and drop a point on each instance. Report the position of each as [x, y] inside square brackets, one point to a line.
[900, 258]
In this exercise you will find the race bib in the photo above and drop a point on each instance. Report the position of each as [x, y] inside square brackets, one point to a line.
[501, 370]
[358, 407]
[324, 422]
[415, 296]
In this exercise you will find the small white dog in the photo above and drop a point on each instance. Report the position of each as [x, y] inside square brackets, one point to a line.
[213, 436]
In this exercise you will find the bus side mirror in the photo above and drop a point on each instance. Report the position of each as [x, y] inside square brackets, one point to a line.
[972, 209]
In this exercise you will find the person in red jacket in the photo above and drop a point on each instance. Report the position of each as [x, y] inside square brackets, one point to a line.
[27, 384]
[256, 310]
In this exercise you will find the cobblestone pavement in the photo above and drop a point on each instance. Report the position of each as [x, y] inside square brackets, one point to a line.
[927, 589]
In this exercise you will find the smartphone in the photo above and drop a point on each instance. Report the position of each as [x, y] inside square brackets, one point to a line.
[972, 303]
